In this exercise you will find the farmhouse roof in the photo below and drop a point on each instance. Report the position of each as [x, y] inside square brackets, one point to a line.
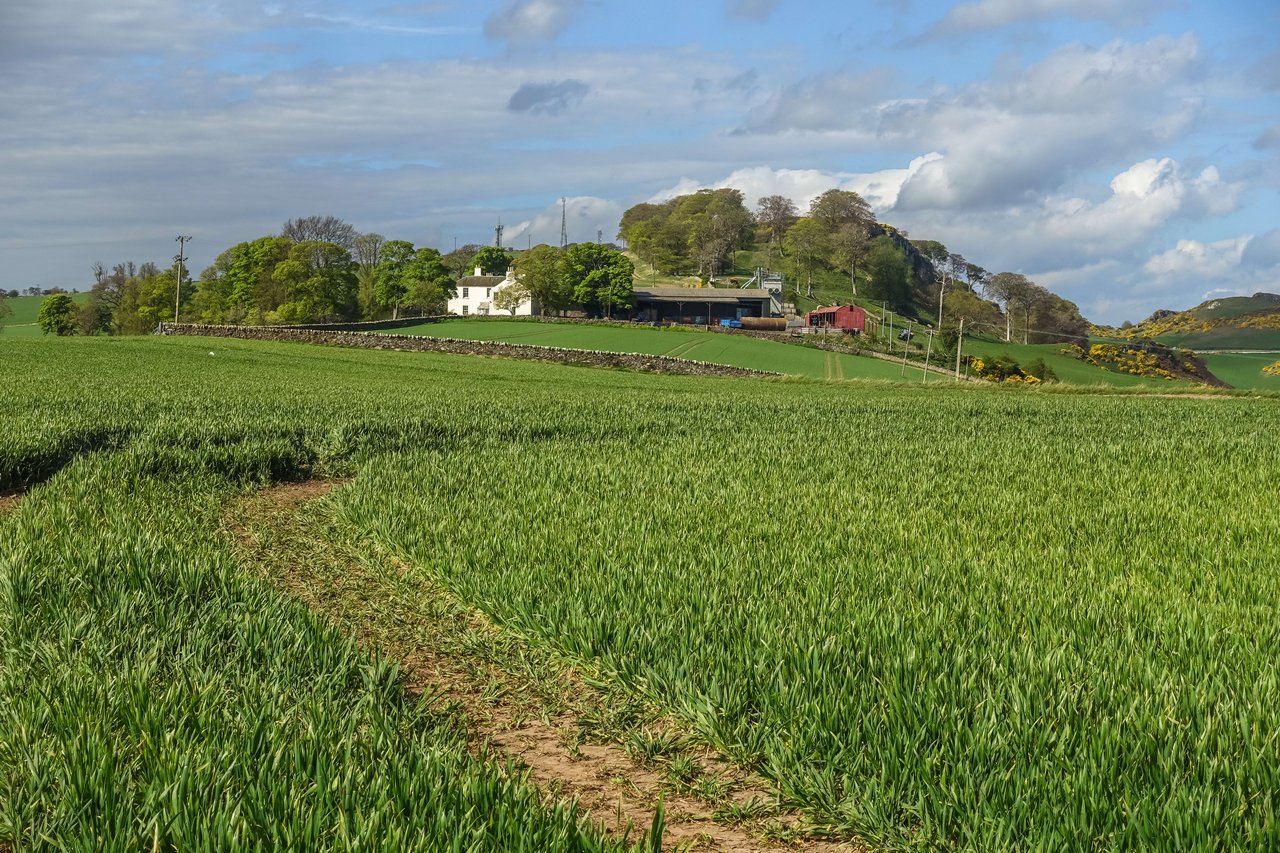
[480, 280]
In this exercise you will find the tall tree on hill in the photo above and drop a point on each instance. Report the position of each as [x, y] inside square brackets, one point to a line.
[807, 243]
[321, 229]
[835, 208]
[1010, 289]
[721, 226]
[849, 250]
[888, 273]
[775, 214]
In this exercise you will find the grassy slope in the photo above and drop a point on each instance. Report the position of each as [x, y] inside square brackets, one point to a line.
[1025, 603]
[1244, 370]
[21, 323]
[1226, 339]
[1069, 369]
[736, 350]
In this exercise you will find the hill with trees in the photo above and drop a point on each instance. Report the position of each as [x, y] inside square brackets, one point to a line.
[836, 251]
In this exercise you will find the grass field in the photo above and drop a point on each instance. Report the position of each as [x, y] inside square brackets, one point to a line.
[934, 617]
[1244, 370]
[695, 344]
[21, 322]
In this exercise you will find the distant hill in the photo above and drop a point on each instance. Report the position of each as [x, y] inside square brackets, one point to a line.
[1232, 323]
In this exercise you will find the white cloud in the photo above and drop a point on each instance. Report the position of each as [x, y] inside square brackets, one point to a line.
[531, 20]
[1191, 259]
[1143, 199]
[1013, 139]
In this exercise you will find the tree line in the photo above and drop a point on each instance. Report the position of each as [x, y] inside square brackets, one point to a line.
[321, 269]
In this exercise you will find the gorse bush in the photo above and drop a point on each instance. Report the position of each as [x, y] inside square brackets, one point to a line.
[933, 617]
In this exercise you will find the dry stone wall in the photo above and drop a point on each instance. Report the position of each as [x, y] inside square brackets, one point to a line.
[415, 343]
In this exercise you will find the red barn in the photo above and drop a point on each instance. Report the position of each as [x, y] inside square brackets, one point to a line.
[843, 318]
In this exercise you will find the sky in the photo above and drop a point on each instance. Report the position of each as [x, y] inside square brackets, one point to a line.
[1123, 153]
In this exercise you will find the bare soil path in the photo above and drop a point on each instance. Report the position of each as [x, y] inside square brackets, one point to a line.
[540, 714]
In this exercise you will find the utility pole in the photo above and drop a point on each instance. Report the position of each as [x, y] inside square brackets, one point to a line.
[959, 344]
[924, 376]
[906, 341]
[181, 240]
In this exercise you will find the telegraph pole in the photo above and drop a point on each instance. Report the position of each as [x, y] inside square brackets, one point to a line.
[959, 344]
[181, 240]
[924, 376]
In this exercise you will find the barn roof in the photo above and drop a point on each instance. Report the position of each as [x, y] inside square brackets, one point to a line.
[700, 294]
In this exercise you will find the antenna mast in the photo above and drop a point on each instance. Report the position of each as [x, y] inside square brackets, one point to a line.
[564, 222]
[497, 235]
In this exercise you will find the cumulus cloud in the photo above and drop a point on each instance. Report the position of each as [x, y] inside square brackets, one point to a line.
[526, 21]
[1207, 262]
[548, 98]
[751, 10]
[1143, 199]
[993, 14]
[1010, 140]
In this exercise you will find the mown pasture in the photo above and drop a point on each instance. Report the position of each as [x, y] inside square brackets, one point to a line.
[934, 617]
[1244, 369]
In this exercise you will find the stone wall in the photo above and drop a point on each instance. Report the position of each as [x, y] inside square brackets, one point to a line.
[416, 343]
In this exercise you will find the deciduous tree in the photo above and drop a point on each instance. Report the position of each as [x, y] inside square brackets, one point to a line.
[600, 277]
[888, 273]
[321, 229]
[541, 271]
[58, 315]
[491, 260]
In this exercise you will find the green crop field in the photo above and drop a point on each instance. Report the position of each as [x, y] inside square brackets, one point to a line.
[933, 617]
[690, 343]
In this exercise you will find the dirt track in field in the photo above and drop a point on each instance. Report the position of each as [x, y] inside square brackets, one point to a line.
[615, 791]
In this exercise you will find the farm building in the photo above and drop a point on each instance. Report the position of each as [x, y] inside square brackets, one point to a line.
[841, 318]
[475, 296]
[700, 306]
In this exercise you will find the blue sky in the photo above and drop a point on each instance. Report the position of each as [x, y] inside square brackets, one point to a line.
[1124, 154]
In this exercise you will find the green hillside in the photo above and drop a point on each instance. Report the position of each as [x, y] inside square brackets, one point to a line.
[1238, 322]
[1244, 369]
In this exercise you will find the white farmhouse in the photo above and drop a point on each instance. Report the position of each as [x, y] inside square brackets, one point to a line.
[476, 292]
